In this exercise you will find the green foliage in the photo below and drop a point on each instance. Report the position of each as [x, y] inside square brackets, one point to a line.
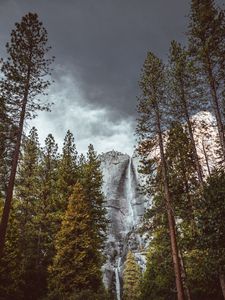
[11, 272]
[210, 217]
[206, 46]
[131, 278]
[26, 66]
[76, 266]
[182, 171]
[67, 170]
[92, 181]
[158, 280]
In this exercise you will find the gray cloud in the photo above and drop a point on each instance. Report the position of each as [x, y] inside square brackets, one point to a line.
[101, 44]
[89, 123]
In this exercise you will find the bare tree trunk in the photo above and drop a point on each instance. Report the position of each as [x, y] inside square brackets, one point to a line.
[9, 194]
[171, 221]
[10, 187]
[215, 104]
[191, 135]
[196, 158]
[184, 277]
[222, 284]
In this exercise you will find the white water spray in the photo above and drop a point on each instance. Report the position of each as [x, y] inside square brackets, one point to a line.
[130, 194]
[117, 274]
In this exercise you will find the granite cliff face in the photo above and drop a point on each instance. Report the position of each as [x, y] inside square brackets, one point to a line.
[125, 207]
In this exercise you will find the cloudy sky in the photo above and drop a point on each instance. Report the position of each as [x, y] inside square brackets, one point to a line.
[100, 46]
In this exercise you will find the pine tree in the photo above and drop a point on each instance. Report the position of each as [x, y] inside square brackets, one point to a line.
[11, 271]
[131, 278]
[185, 88]
[92, 182]
[7, 140]
[211, 224]
[23, 79]
[182, 173]
[3, 141]
[151, 123]
[67, 170]
[48, 214]
[158, 279]
[28, 196]
[76, 263]
[206, 43]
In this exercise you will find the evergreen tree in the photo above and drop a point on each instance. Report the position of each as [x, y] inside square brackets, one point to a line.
[184, 186]
[211, 224]
[23, 79]
[158, 280]
[8, 130]
[92, 183]
[151, 123]
[76, 265]
[131, 278]
[28, 196]
[67, 170]
[207, 43]
[11, 271]
[185, 88]
[183, 179]
[48, 218]
[3, 139]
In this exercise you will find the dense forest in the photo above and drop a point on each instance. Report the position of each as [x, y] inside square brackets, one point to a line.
[53, 217]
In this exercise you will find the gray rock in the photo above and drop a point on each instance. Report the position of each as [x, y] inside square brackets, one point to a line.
[125, 208]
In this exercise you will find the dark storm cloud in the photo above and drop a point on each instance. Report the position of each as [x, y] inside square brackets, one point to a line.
[104, 42]
[100, 45]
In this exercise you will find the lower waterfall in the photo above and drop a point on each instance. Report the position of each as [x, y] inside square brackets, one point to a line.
[117, 275]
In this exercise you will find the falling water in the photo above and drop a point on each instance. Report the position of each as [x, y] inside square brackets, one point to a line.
[117, 274]
[129, 219]
[130, 194]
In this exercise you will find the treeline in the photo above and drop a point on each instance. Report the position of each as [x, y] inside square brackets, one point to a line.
[57, 225]
[186, 257]
[53, 221]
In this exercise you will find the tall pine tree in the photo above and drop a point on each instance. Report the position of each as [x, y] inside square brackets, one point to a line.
[151, 123]
[23, 79]
[67, 170]
[185, 89]
[92, 183]
[76, 265]
[206, 45]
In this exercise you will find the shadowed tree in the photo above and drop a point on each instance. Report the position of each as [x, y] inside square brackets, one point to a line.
[151, 124]
[184, 87]
[23, 79]
[207, 47]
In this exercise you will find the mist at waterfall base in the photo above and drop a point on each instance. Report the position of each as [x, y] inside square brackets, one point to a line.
[125, 208]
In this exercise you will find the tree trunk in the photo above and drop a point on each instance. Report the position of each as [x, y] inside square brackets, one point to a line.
[215, 104]
[10, 187]
[191, 135]
[197, 163]
[184, 277]
[171, 221]
[222, 284]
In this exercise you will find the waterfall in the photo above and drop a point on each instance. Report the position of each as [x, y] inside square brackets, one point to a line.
[117, 274]
[130, 194]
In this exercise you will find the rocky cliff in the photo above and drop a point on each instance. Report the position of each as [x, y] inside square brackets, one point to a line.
[125, 207]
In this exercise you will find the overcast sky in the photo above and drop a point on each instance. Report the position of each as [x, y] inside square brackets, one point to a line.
[100, 46]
